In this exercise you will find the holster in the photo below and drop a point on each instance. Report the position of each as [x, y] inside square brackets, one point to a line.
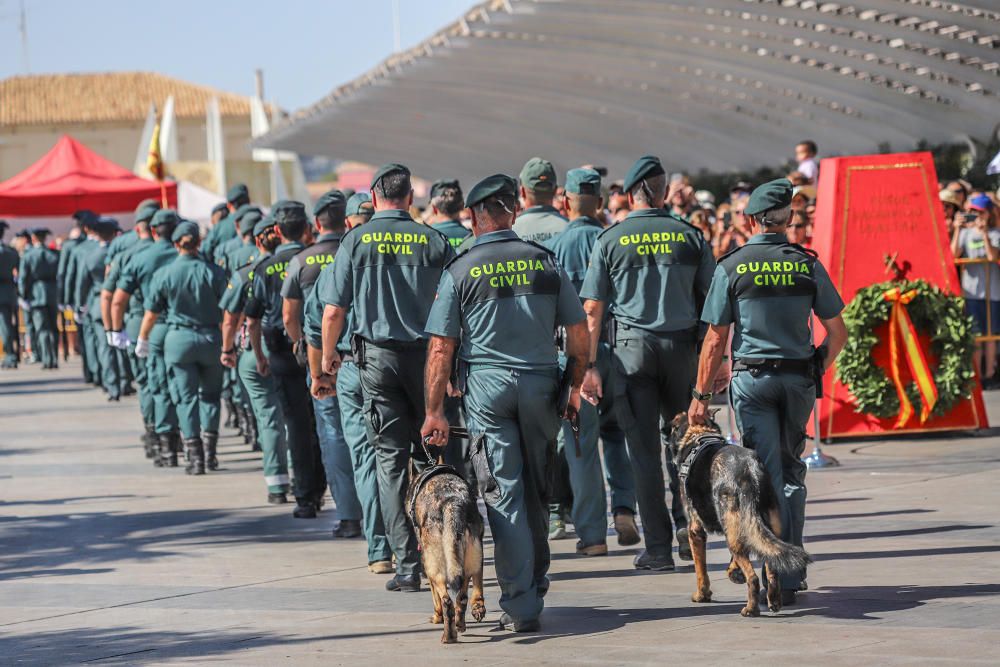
[460, 375]
[301, 353]
[608, 330]
[819, 362]
[565, 387]
[276, 340]
[358, 351]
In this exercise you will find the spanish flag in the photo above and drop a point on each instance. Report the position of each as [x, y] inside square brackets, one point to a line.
[154, 162]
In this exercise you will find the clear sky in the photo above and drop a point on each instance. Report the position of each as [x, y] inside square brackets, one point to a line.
[306, 48]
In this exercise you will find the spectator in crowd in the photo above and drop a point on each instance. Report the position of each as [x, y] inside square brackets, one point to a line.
[618, 206]
[979, 239]
[961, 190]
[801, 196]
[805, 155]
[700, 219]
[737, 231]
[797, 178]
[798, 229]
[951, 203]
[741, 190]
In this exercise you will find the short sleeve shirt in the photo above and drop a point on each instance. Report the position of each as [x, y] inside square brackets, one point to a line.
[573, 247]
[188, 291]
[972, 245]
[539, 223]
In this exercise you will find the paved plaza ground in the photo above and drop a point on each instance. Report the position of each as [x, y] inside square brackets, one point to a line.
[106, 560]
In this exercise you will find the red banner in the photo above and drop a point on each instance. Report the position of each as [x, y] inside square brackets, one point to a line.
[870, 207]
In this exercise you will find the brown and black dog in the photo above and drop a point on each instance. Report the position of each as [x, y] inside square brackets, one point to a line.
[726, 490]
[442, 508]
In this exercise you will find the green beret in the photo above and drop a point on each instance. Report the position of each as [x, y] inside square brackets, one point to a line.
[583, 182]
[165, 216]
[41, 231]
[771, 195]
[220, 208]
[249, 221]
[145, 210]
[105, 224]
[185, 228]
[266, 223]
[645, 167]
[497, 184]
[333, 198]
[387, 169]
[443, 183]
[243, 210]
[538, 174]
[356, 201]
[237, 192]
[288, 210]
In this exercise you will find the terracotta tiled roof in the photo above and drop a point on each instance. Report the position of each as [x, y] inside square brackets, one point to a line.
[105, 97]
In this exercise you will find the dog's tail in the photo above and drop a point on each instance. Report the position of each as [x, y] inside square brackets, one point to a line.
[454, 549]
[780, 556]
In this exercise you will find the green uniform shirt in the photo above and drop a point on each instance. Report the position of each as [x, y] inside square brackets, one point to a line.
[312, 315]
[64, 283]
[223, 230]
[137, 274]
[652, 270]
[9, 261]
[305, 267]
[77, 270]
[387, 271]
[768, 288]
[248, 253]
[454, 230]
[573, 247]
[90, 277]
[265, 299]
[539, 223]
[37, 275]
[234, 299]
[120, 244]
[188, 291]
[504, 299]
[225, 250]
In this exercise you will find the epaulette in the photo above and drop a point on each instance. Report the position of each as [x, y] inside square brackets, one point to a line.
[808, 251]
[731, 252]
[539, 245]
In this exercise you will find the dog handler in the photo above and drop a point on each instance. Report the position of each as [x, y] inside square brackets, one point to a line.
[504, 298]
[769, 289]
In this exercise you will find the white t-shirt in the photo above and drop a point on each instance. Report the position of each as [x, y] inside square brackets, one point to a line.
[810, 169]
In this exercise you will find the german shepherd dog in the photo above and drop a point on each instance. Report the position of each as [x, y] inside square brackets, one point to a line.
[726, 490]
[442, 508]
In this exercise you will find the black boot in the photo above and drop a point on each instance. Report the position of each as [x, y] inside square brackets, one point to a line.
[149, 441]
[231, 418]
[175, 448]
[166, 450]
[194, 454]
[254, 433]
[210, 440]
[245, 425]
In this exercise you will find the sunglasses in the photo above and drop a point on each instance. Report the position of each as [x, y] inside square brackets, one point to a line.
[796, 226]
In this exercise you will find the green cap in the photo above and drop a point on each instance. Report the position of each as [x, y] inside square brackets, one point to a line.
[243, 210]
[645, 167]
[333, 198]
[773, 194]
[443, 183]
[249, 221]
[185, 228]
[105, 224]
[220, 208]
[146, 209]
[583, 181]
[538, 174]
[237, 192]
[266, 223]
[165, 216]
[387, 169]
[356, 201]
[288, 210]
[497, 184]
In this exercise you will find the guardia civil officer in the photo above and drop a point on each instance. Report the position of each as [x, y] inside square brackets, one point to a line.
[768, 290]
[505, 322]
[135, 283]
[228, 253]
[261, 391]
[9, 261]
[387, 272]
[186, 293]
[37, 277]
[90, 279]
[350, 400]
[572, 248]
[302, 273]
[274, 355]
[66, 282]
[225, 228]
[539, 220]
[446, 206]
[650, 270]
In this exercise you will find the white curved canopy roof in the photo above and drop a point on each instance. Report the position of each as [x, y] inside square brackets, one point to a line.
[719, 84]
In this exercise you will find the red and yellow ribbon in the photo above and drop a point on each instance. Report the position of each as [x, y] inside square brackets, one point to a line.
[902, 333]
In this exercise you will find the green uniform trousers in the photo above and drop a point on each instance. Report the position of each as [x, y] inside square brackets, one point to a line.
[393, 381]
[654, 377]
[512, 416]
[263, 398]
[617, 469]
[146, 407]
[46, 334]
[157, 376]
[89, 345]
[107, 359]
[771, 412]
[589, 509]
[8, 332]
[192, 357]
[31, 334]
[352, 421]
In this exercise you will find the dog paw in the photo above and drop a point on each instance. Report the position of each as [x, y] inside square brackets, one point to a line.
[447, 639]
[700, 596]
[736, 576]
[436, 619]
[750, 611]
[478, 610]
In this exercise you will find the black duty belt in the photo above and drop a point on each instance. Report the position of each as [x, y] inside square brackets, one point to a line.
[800, 366]
[398, 344]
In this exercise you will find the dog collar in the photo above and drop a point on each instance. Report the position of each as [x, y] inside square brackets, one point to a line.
[705, 442]
[420, 481]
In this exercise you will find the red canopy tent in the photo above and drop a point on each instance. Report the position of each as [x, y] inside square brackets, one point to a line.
[71, 177]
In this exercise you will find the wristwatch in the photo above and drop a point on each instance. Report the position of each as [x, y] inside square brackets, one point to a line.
[697, 395]
[591, 364]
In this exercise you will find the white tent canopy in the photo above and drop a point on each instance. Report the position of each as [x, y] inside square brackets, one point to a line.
[719, 84]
